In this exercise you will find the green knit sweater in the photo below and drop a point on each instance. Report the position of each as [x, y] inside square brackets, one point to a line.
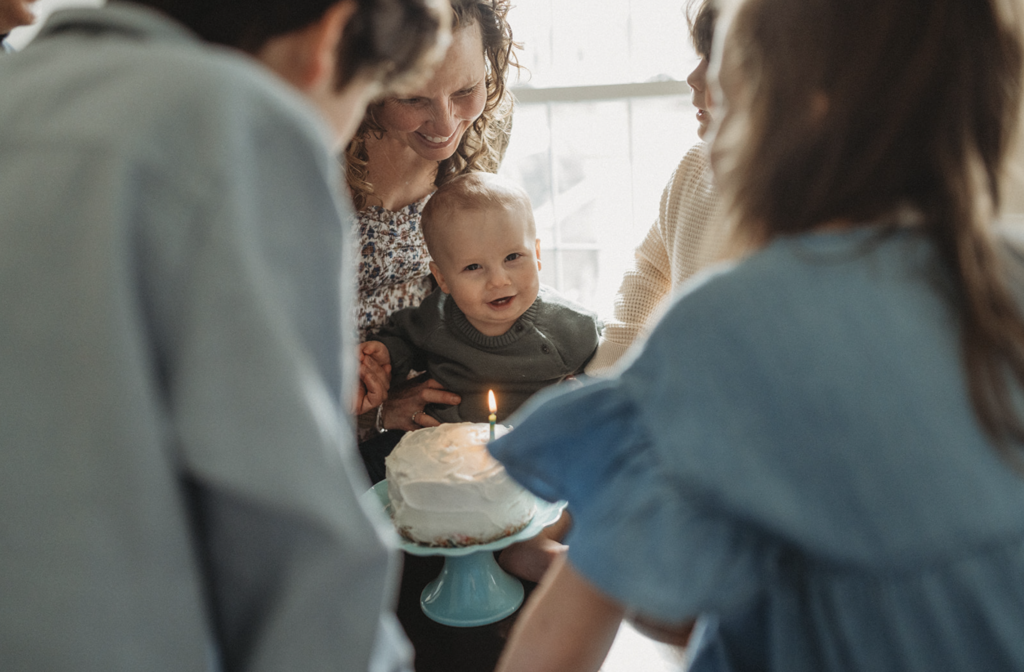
[553, 339]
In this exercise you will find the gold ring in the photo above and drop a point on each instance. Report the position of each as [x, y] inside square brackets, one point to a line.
[414, 417]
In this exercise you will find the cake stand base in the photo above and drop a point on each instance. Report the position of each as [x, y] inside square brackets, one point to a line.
[471, 590]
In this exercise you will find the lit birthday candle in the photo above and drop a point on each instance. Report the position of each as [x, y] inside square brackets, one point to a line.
[493, 405]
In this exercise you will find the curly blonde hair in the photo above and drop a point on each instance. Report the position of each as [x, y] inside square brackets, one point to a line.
[483, 145]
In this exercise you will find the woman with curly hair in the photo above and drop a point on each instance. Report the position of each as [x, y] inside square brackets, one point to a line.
[406, 147]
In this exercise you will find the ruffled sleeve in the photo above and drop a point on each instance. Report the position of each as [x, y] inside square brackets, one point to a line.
[636, 534]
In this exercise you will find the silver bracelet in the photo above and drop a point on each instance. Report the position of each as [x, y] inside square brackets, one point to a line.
[379, 425]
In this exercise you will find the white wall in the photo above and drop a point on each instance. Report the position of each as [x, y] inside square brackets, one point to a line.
[21, 36]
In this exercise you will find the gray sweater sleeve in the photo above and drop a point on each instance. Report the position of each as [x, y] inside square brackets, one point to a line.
[406, 334]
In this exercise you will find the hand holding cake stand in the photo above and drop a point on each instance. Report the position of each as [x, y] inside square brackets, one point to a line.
[472, 589]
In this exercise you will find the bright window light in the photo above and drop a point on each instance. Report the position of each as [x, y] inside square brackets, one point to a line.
[603, 118]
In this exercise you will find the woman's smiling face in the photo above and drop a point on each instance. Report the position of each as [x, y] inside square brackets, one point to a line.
[432, 120]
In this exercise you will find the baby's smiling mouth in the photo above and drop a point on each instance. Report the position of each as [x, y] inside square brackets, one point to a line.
[503, 301]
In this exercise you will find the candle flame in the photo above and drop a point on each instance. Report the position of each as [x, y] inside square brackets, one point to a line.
[493, 405]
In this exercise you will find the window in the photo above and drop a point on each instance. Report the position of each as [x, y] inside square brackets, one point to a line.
[603, 116]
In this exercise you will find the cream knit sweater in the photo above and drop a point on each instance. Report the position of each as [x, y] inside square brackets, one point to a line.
[687, 236]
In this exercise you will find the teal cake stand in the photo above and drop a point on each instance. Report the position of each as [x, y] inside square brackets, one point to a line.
[472, 589]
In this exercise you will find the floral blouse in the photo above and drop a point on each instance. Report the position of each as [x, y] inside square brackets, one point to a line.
[394, 271]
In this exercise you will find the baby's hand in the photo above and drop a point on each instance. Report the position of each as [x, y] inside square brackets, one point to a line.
[374, 376]
[376, 351]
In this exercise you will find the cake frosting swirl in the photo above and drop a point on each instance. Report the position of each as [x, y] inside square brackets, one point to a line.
[447, 490]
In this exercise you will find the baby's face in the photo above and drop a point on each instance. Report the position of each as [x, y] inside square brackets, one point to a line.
[489, 264]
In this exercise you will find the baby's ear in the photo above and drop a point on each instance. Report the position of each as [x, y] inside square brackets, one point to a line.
[537, 243]
[435, 270]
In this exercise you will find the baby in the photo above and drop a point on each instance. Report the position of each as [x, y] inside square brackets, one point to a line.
[490, 325]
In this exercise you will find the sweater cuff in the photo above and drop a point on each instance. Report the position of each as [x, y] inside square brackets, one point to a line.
[608, 352]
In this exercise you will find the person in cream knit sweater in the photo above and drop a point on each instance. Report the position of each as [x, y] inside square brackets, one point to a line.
[688, 234]
[686, 237]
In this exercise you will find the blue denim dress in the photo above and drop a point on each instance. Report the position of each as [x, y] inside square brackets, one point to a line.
[793, 457]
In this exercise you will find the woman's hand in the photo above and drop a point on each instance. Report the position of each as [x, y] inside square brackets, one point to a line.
[374, 376]
[404, 407]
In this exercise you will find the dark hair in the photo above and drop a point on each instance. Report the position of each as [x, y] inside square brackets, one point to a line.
[384, 38]
[857, 109]
[701, 16]
[484, 144]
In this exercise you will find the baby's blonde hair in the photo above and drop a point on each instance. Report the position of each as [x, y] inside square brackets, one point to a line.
[471, 191]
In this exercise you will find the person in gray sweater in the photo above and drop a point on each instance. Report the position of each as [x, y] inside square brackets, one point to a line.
[490, 325]
[178, 478]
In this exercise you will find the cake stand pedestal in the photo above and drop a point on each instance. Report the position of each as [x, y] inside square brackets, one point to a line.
[472, 589]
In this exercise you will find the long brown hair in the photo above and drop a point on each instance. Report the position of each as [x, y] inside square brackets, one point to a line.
[484, 143]
[856, 109]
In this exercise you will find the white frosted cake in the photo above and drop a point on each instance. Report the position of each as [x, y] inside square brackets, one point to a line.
[447, 490]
